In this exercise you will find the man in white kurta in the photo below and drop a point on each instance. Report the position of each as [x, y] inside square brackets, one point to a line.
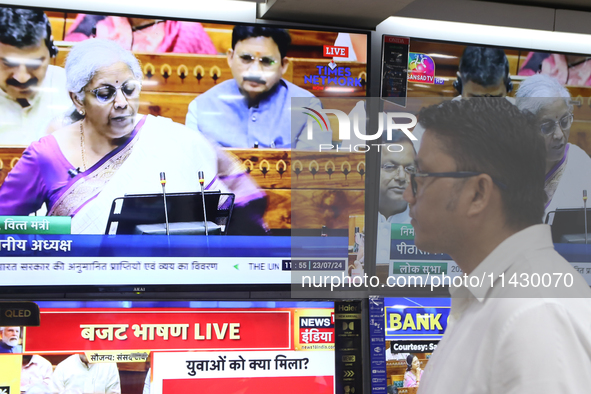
[32, 92]
[75, 374]
[23, 125]
[37, 371]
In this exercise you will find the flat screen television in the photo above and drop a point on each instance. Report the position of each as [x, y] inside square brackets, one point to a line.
[403, 331]
[234, 99]
[419, 72]
[141, 347]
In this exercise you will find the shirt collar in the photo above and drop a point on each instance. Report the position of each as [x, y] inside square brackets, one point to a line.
[31, 362]
[506, 254]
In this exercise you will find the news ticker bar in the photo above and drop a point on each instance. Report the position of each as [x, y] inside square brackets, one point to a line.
[36, 271]
[134, 246]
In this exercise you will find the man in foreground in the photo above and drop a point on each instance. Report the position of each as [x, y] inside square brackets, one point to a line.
[477, 194]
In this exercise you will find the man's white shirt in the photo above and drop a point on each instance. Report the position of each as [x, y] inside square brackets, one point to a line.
[21, 126]
[505, 339]
[37, 371]
[99, 378]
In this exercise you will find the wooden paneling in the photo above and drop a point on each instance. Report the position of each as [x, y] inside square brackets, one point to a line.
[580, 134]
[329, 207]
[284, 169]
[70, 18]
[8, 158]
[190, 73]
[278, 213]
[57, 26]
[170, 105]
[220, 37]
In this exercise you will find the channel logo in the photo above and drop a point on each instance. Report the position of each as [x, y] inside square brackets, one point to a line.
[317, 116]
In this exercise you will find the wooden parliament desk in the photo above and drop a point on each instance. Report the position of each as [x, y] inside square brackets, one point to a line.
[304, 189]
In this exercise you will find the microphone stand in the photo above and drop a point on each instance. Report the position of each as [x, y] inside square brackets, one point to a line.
[163, 183]
[585, 212]
[201, 183]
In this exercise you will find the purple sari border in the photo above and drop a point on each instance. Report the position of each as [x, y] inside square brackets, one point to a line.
[84, 204]
[557, 165]
[210, 184]
[553, 171]
[234, 176]
[89, 171]
[243, 200]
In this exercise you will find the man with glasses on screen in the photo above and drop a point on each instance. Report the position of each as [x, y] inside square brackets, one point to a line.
[482, 72]
[393, 181]
[477, 193]
[32, 92]
[254, 108]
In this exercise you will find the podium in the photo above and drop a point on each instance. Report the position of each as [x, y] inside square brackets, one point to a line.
[144, 213]
[568, 225]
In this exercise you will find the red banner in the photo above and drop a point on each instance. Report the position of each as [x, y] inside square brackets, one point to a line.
[69, 331]
[266, 385]
[331, 50]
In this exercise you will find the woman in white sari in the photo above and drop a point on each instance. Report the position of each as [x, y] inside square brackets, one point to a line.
[110, 150]
[568, 167]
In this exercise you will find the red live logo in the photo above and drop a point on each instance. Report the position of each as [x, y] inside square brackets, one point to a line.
[331, 50]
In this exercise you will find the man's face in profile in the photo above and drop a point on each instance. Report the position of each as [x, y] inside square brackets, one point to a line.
[393, 179]
[433, 208]
[471, 89]
[10, 336]
[256, 65]
[22, 70]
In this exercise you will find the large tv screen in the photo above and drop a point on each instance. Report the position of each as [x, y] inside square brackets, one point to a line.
[170, 347]
[417, 73]
[142, 151]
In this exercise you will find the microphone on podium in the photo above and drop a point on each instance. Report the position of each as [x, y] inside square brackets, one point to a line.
[585, 212]
[163, 183]
[202, 183]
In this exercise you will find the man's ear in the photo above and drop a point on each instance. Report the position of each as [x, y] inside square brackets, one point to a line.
[284, 65]
[230, 56]
[481, 188]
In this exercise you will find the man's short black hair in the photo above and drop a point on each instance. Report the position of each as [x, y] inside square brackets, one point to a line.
[280, 36]
[23, 28]
[484, 66]
[492, 136]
